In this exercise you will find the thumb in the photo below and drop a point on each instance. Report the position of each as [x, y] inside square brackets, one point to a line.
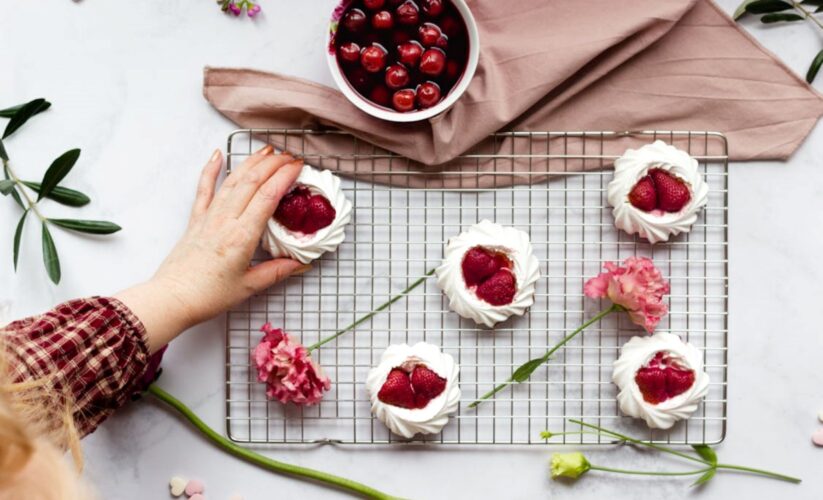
[266, 274]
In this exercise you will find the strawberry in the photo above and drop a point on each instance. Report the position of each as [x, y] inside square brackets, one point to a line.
[427, 385]
[293, 209]
[301, 211]
[321, 214]
[660, 379]
[478, 265]
[672, 192]
[643, 195]
[499, 289]
[397, 390]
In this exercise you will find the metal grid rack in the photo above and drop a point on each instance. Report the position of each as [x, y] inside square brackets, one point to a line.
[399, 233]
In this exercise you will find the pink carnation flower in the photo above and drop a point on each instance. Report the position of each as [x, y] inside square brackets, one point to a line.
[287, 369]
[637, 286]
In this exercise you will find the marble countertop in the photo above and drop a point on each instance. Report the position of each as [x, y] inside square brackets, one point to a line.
[125, 80]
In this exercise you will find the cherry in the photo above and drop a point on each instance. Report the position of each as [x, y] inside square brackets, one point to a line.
[408, 13]
[450, 26]
[381, 95]
[382, 20]
[349, 52]
[428, 94]
[432, 8]
[374, 4]
[358, 77]
[400, 36]
[354, 20]
[432, 61]
[409, 53]
[428, 34]
[403, 100]
[397, 76]
[373, 58]
[452, 70]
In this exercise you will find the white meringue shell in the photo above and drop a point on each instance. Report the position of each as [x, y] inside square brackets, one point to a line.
[280, 242]
[631, 167]
[635, 354]
[515, 243]
[428, 420]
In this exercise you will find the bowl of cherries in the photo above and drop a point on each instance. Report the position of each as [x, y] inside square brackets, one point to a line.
[403, 60]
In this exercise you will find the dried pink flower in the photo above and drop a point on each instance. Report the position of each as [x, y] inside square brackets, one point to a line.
[287, 369]
[637, 286]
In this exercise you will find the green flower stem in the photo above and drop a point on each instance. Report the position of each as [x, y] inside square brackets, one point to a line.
[807, 14]
[514, 378]
[263, 461]
[650, 473]
[632, 440]
[761, 472]
[367, 317]
[19, 184]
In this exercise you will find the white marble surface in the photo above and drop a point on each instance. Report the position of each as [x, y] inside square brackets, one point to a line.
[125, 81]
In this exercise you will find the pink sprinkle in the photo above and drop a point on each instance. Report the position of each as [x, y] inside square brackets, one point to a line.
[817, 437]
[194, 487]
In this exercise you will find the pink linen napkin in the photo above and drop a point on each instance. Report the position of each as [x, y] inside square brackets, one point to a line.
[560, 65]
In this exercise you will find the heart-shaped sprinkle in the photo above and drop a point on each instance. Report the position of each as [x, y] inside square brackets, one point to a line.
[194, 487]
[817, 437]
[177, 485]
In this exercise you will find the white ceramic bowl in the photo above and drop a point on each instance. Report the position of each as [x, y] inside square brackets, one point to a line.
[411, 116]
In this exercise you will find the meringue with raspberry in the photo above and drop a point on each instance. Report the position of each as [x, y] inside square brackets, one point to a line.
[414, 389]
[489, 273]
[661, 379]
[657, 191]
[310, 219]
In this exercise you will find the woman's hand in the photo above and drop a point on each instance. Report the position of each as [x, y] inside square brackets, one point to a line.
[208, 270]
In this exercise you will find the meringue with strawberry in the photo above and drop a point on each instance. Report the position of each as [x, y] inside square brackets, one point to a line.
[310, 219]
[414, 389]
[661, 379]
[489, 273]
[657, 191]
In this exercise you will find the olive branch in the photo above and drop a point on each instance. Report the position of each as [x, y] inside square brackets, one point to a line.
[28, 194]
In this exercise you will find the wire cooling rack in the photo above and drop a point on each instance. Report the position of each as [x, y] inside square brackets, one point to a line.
[398, 233]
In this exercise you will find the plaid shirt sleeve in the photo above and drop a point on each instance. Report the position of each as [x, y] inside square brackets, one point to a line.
[94, 350]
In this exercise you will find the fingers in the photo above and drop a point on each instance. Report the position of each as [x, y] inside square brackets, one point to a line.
[266, 274]
[236, 199]
[206, 184]
[268, 196]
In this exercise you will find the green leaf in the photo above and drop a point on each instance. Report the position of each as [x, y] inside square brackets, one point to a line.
[706, 452]
[526, 369]
[23, 114]
[9, 112]
[17, 234]
[741, 9]
[62, 195]
[3, 155]
[705, 478]
[57, 171]
[14, 194]
[87, 226]
[819, 9]
[50, 258]
[815, 67]
[778, 18]
[816, 3]
[767, 6]
[6, 187]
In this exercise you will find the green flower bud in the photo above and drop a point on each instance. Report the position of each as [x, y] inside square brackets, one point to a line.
[571, 465]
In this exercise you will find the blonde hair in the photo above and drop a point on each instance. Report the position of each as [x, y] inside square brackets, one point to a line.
[36, 426]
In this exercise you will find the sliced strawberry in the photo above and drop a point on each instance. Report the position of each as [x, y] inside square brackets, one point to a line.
[499, 289]
[643, 195]
[293, 209]
[321, 214]
[397, 390]
[427, 385]
[478, 265]
[661, 379]
[672, 192]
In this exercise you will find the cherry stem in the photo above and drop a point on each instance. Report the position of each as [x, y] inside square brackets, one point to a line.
[542, 359]
[367, 317]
